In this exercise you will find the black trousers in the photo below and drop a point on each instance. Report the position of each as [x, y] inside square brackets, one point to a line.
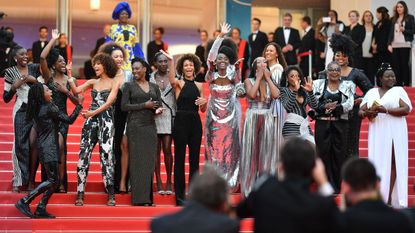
[47, 187]
[353, 132]
[21, 157]
[331, 142]
[304, 66]
[120, 118]
[400, 65]
[368, 65]
[187, 132]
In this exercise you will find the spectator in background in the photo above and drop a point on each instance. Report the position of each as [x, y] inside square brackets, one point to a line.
[216, 33]
[39, 45]
[368, 63]
[243, 50]
[65, 49]
[89, 71]
[400, 40]
[6, 46]
[257, 39]
[367, 211]
[289, 39]
[270, 36]
[201, 51]
[206, 210]
[106, 32]
[320, 54]
[307, 46]
[279, 204]
[357, 33]
[9, 29]
[156, 45]
[380, 37]
[327, 29]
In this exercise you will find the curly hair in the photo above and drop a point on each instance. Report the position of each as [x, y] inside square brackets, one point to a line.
[145, 64]
[342, 43]
[110, 67]
[188, 57]
[52, 57]
[35, 99]
[110, 47]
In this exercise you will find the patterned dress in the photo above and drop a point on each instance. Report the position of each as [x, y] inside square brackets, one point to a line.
[21, 148]
[164, 121]
[127, 37]
[222, 125]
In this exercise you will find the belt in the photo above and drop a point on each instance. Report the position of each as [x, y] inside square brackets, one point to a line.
[328, 118]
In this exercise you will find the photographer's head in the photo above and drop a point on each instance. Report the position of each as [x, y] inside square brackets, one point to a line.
[360, 181]
[298, 158]
[210, 190]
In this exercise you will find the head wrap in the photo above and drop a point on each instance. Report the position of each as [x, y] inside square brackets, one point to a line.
[122, 6]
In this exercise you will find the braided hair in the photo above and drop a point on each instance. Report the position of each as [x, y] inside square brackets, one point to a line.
[35, 100]
[382, 69]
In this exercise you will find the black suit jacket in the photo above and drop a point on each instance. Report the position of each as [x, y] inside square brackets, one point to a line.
[374, 216]
[195, 218]
[294, 40]
[288, 206]
[307, 43]
[257, 46]
[409, 29]
[37, 50]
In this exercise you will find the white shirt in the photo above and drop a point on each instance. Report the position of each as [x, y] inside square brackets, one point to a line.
[287, 34]
[307, 30]
[254, 34]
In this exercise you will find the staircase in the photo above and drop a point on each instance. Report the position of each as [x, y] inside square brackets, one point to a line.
[95, 216]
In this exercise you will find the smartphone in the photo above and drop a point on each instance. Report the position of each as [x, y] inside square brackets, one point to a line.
[326, 19]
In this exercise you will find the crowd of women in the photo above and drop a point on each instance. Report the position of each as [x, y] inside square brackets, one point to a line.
[140, 113]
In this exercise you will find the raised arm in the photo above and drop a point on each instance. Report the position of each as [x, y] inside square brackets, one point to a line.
[213, 53]
[275, 92]
[172, 79]
[43, 62]
[252, 90]
[82, 88]
[110, 101]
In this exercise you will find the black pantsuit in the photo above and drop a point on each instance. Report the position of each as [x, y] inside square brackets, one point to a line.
[187, 131]
[331, 138]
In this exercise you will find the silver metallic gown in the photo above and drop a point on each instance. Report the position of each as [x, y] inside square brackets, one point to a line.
[259, 146]
[222, 124]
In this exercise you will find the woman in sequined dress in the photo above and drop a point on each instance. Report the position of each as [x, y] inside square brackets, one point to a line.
[222, 134]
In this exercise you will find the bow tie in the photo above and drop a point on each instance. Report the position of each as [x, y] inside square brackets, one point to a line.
[287, 28]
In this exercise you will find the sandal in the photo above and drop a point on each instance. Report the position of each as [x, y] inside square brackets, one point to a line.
[111, 200]
[169, 189]
[79, 200]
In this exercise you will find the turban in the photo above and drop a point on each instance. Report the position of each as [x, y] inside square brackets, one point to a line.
[122, 6]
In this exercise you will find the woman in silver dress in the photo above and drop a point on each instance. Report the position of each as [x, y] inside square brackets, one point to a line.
[222, 134]
[258, 141]
[164, 121]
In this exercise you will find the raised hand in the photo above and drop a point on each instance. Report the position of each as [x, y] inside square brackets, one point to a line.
[308, 86]
[267, 74]
[55, 34]
[238, 63]
[225, 28]
[169, 57]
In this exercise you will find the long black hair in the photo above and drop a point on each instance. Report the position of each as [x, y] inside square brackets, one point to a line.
[395, 12]
[35, 100]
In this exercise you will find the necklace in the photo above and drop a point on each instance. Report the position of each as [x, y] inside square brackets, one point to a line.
[222, 76]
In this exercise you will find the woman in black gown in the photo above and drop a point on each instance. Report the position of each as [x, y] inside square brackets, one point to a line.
[18, 79]
[343, 48]
[142, 100]
[53, 68]
[46, 116]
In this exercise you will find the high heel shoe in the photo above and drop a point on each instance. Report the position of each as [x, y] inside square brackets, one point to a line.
[111, 200]
[79, 199]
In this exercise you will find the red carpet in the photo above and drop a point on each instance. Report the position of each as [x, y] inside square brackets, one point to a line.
[95, 216]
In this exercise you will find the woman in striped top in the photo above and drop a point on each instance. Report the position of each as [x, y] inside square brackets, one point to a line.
[296, 94]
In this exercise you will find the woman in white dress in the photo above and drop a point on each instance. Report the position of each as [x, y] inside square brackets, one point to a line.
[386, 108]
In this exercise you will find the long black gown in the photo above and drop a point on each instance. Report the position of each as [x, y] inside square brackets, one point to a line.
[142, 139]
